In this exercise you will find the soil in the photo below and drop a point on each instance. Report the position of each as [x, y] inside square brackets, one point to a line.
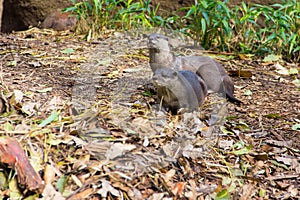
[111, 133]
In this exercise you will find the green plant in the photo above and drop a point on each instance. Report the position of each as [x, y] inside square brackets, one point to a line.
[284, 33]
[139, 14]
[121, 14]
[96, 14]
[208, 23]
[265, 29]
[256, 29]
[244, 24]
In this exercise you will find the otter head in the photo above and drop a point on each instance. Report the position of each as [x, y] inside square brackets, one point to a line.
[158, 43]
[165, 77]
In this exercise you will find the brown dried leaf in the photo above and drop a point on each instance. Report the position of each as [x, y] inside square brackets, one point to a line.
[50, 193]
[107, 188]
[12, 154]
[169, 176]
[82, 195]
[118, 149]
[240, 73]
[178, 188]
[49, 174]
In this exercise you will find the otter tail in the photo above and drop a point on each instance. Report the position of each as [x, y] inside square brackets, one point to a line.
[232, 99]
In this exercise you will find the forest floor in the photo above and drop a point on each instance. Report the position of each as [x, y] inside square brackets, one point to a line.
[88, 120]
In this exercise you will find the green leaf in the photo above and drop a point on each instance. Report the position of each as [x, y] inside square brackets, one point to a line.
[190, 12]
[203, 26]
[14, 191]
[279, 164]
[70, 9]
[245, 8]
[271, 58]
[53, 140]
[3, 179]
[68, 51]
[273, 116]
[205, 15]
[239, 144]
[262, 193]
[271, 37]
[242, 126]
[147, 94]
[292, 42]
[293, 71]
[226, 180]
[243, 151]
[236, 172]
[8, 126]
[225, 131]
[61, 183]
[248, 93]
[296, 127]
[45, 90]
[12, 63]
[51, 118]
[296, 82]
[226, 26]
[223, 195]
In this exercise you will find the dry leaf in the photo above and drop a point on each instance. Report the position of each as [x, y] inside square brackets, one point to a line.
[118, 149]
[107, 188]
[135, 194]
[169, 175]
[49, 174]
[247, 192]
[178, 188]
[50, 193]
[18, 95]
[281, 70]
[82, 195]
[157, 196]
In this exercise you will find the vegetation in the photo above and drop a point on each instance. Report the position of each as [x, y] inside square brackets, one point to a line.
[248, 29]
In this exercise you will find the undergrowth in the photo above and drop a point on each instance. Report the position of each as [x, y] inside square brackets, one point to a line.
[247, 29]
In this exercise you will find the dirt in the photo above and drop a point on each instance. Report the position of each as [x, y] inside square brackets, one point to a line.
[111, 132]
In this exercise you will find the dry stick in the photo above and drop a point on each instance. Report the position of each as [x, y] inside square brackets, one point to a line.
[273, 178]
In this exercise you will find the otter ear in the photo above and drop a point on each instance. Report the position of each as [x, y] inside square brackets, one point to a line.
[163, 37]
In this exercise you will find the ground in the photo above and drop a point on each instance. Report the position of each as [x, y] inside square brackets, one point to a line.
[88, 119]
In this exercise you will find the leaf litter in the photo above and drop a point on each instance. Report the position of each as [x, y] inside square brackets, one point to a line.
[88, 120]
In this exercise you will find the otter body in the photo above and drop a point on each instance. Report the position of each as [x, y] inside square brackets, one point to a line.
[60, 21]
[179, 90]
[212, 72]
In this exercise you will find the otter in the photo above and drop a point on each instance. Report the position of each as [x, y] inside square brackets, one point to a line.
[211, 71]
[179, 89]
[60, 21]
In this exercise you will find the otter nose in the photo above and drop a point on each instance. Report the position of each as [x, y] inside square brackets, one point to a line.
[154, 78]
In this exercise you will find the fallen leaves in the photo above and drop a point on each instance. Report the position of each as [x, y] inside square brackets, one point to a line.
[123, 147]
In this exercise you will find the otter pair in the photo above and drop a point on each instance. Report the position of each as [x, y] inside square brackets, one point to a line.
[184, 81]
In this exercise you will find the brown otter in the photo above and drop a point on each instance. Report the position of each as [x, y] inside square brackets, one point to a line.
[179, 90]
[60, 21]
[212, 72]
